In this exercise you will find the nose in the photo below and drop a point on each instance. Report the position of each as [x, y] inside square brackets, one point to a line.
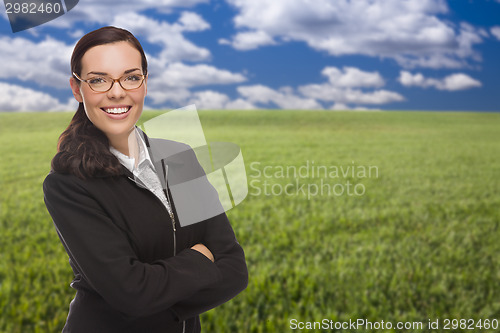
[116, 91]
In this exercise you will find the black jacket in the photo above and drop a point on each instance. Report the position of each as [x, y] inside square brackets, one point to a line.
[120, 241]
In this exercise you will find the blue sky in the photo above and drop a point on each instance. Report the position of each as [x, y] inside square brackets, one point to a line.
[280, 54]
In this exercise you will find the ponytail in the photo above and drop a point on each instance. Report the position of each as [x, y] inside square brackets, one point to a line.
[83, 150]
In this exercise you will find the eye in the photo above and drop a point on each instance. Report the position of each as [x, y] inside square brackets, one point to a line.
[97, 80]
[133, 77]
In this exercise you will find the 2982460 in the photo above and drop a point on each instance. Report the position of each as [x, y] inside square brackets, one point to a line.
[470, 324]
[32, 8]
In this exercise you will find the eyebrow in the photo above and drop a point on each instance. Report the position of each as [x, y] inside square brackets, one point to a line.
[125, 72]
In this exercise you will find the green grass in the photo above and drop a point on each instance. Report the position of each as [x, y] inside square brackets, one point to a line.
[421, 242]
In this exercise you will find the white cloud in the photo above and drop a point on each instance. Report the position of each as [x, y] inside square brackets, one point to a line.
[344, 107]
[284, 99]
[175, 47]
[407, 79]
[17, 98]
[339, 106]
[193, 22]
[240, 104]
[249, 40]
[172, 95]
[209, 100]
[411, 32]
[352, 77]
[343, 89]
[453, 82]
[214, 100]
[495, 31]
[434, 61]
[45, 62]
[100, 12]
[76, 34]
[170, 82]
[341, 85]
[182, 75]
[329, 93]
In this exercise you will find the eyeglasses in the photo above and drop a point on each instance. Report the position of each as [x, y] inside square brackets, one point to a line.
[105, 83]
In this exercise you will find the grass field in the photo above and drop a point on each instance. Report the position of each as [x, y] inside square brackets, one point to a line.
[420, 242]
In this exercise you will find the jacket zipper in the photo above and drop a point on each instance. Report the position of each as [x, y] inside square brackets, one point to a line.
[170, 213]
[172, 217]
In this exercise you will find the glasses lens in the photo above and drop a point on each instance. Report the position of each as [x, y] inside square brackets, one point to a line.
[100, 83]
[131, 81]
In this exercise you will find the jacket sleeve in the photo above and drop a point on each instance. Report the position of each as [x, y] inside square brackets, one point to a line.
[103, 255]
[229, 259]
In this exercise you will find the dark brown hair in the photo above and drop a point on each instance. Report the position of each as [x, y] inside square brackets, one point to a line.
[83, 149]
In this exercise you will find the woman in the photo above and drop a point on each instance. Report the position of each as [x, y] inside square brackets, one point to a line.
[136, 268]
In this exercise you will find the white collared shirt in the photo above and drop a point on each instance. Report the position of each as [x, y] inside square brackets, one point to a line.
[129, 162]
[144, 171]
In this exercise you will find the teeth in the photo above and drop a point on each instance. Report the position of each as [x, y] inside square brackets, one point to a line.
[116, 110]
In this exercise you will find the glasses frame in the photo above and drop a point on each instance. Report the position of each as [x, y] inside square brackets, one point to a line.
[112, 83]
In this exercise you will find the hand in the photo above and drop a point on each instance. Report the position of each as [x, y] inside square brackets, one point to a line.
[203, 250]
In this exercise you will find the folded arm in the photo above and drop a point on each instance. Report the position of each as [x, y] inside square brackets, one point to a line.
[105, 257]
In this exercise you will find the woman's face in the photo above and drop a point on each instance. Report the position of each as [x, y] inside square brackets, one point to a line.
[116, 111]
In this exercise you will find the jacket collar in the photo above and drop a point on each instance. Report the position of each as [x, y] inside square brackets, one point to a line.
[163, 153]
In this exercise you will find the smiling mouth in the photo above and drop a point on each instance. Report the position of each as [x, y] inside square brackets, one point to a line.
[116, 110]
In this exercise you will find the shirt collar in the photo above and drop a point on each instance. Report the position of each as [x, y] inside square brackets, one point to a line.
[129, 162]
